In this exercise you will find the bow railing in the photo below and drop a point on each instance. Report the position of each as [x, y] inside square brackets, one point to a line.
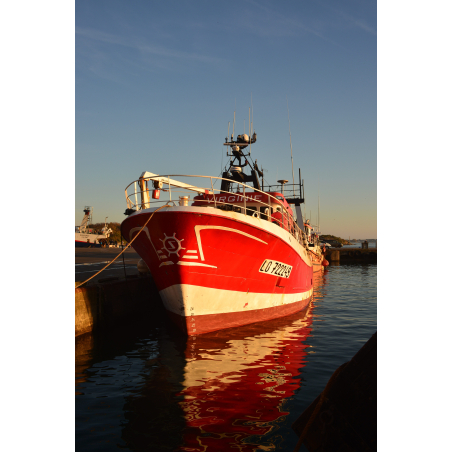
[151, 191]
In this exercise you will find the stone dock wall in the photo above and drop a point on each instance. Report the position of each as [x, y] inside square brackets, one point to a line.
[352, 255]
[113, 302]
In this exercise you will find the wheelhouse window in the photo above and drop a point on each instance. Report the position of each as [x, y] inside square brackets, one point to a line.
[250, 211]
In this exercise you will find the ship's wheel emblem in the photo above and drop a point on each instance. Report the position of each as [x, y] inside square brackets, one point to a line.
[172, 245]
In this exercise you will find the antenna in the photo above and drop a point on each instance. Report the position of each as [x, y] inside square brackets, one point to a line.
[290, 137]
[233, 126]
[318, 203]
[318, 214]
[249, 127]
[252, 112]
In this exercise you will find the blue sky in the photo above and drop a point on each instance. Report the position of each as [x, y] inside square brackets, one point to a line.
[156, 84]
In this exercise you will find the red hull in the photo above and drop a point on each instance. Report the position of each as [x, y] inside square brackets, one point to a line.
[218, 269]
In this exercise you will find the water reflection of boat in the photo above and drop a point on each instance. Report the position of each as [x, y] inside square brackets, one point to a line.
[236, 382]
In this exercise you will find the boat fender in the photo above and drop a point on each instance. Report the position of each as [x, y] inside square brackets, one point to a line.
[325, 263]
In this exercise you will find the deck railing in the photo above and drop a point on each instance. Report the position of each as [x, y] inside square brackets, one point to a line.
[139, 196]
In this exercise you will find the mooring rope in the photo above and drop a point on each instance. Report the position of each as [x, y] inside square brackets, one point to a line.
[130, 243]
[318, 406]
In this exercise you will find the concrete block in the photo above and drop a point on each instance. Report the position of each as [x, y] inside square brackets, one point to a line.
[335, 255]
[114, 303]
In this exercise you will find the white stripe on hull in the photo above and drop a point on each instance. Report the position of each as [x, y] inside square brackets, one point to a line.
[82, 237]
[186, 300]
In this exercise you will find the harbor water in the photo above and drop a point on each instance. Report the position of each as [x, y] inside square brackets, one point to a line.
[145, 387]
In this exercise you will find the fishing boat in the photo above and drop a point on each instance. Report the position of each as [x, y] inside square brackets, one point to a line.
[223, 251]
[317, 251]
[89, 238]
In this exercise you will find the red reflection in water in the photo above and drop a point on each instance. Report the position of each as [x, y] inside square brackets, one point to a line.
[237, 380]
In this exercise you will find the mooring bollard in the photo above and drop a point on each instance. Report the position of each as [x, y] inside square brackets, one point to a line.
[335, 255]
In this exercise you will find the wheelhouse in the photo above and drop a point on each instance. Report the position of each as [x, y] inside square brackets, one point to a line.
[271, 206]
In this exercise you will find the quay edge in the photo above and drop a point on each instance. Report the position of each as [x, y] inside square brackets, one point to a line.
[114, 302]
[344, 415]
[352, 255]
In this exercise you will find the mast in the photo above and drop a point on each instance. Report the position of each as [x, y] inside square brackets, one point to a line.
[85, 222]
[240, 159]
[318, 206]
[290, 137]
[233, 126]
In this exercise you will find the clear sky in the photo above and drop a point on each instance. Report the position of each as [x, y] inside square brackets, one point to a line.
[157, 82]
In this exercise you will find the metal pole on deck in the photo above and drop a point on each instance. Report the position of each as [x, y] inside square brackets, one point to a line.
[213, 193]
[136, 199]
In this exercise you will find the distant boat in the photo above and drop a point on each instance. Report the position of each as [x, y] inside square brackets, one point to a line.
[234, 256]
[87, 238]
[316, 249]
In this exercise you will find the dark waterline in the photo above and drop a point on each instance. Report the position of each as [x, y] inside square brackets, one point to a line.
[147, 387]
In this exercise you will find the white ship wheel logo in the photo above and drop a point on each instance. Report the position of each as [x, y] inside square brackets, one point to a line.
[172, 245]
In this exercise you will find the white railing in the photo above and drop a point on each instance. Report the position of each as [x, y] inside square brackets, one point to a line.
[139, 196]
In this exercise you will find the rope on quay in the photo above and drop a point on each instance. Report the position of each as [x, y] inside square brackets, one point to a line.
[130, 243]
[317, 407]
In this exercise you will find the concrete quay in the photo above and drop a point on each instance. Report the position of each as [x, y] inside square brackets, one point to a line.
[114, 303]
[89, 261]
[112, 298]
[344, 416]
[352, 255]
